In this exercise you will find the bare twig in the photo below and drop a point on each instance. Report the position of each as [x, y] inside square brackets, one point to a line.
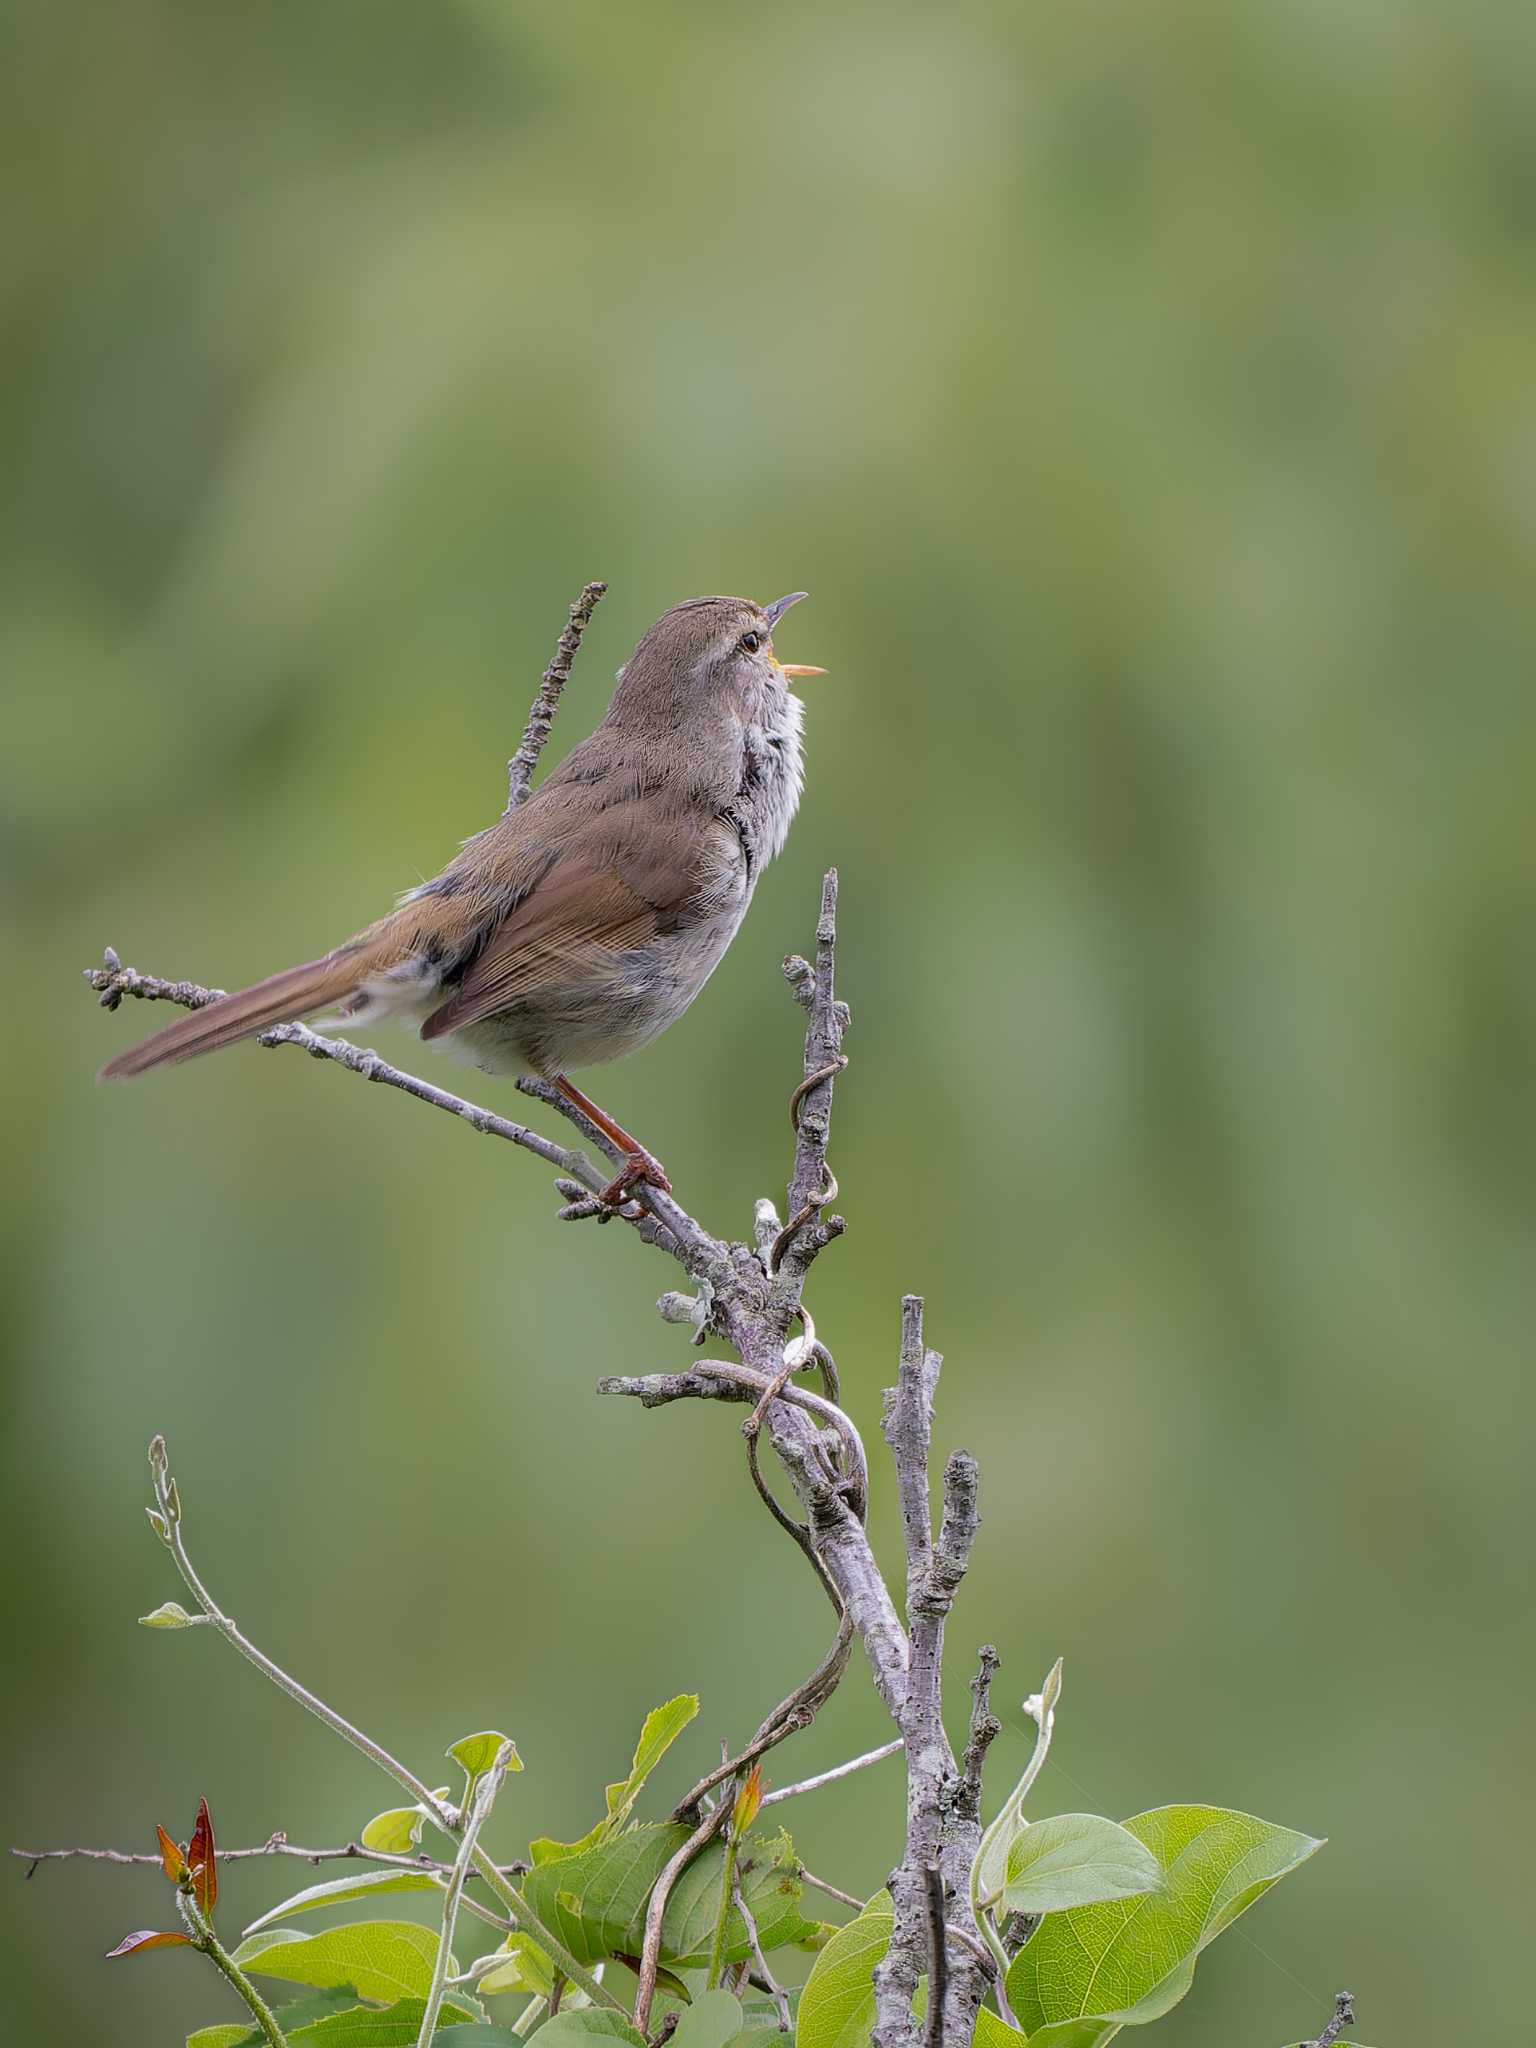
[832, 1891]
[812, 1184]
[907, 1426]
[974, 1943]
[656, 1911]
[1343, 2016]
[278, 1845]
[717, 1379]
[984, 1729]
[113, 981]
[857, 1763]
[776, 1990]
[542, 716]
[787, 1718]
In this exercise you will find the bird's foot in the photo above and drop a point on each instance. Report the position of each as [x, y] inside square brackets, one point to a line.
[639, 1169]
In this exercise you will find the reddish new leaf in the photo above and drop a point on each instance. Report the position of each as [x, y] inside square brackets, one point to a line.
[200, 1854]
[147, 1938]
[172, 1861]
[748, 1800]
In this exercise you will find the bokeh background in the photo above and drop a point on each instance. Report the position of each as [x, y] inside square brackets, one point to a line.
[1144, 393]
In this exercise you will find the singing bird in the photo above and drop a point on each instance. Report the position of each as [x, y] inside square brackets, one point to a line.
[584, 922]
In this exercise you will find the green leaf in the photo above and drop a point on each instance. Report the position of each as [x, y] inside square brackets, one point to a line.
[364, 2027]
[595, 1902]
[661, 1729]
[1092, 1969]
[396, 1831]
[475, 1754]
[389, 1959]
[714, 2019]
[991, 2032]
[340, 1891]
[837, 2006]
[580, 2029]
[1076, 1859]
[544, 1848]
[294, 2014]
[171, 1614]
[769, 1873]
[485, 2035]
[527, 1968]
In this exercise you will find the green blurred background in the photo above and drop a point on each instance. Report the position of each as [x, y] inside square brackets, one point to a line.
[1144, 393]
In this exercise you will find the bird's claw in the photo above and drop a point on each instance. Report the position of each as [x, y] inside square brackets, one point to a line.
[639, 1169]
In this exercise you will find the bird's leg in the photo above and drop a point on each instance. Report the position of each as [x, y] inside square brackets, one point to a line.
[639, 1165]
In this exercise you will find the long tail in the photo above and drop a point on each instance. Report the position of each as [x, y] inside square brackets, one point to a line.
[280, 999]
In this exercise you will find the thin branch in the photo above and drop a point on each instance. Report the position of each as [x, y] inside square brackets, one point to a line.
[788, 1718]
[717, 1379]
[907, 1425]
[200, 1932]
[542, 715]
[279, 1845]
[113, 981]
[984, 1729]
[812, 1184]
[832, 1891]
[656, 1910]
[957, 1530]
[978, 1948]
[166, 1518]
[938, 1956]
[1343, 2016]
[657, 1218]
[857, 1763]
[776, 1990]
[480, 1804]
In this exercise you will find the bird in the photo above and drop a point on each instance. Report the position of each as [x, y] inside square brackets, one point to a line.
[581, 924]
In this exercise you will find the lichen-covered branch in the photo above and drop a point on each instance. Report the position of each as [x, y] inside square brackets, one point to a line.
[943, 1828]
[1343, 2016]
[542, 715]
[984, 1730]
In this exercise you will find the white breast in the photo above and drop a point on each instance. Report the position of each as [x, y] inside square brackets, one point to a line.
[776, 798]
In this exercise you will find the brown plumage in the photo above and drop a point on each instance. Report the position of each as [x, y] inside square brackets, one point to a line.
[584, 922]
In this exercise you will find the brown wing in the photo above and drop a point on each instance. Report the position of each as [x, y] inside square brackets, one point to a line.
[582, 912]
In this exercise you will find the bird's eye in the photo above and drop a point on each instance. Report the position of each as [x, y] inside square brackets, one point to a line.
[751, 642]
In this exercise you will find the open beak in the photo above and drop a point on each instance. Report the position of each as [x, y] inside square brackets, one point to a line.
[773, 613]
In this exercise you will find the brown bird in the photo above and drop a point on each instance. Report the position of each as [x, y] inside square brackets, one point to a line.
[580, 925]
